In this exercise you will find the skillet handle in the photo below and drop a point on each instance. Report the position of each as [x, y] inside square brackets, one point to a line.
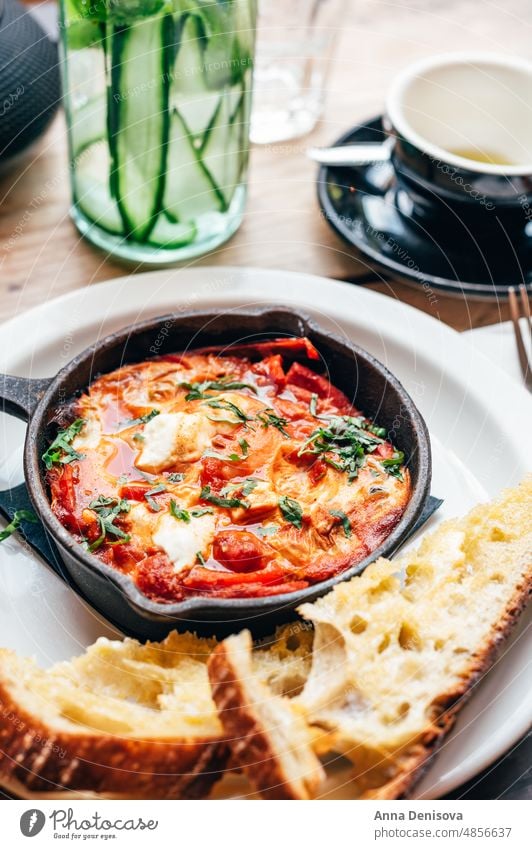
[20, 395]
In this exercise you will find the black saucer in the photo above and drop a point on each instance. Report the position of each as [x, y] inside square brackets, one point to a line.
[371, 210]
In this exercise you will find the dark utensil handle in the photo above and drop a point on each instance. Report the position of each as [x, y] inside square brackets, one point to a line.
[20, 395]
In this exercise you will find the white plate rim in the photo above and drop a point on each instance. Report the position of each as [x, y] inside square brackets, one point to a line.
[389, 310]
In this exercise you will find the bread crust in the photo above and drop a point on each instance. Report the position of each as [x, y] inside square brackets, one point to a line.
[251, 743]
[449, 704]
[42, 759]
[254, 749]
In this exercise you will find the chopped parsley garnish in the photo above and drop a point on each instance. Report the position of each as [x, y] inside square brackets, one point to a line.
[200, 511]
[140, 420]
[233, 457]
[122, 479]
[138, 437]
[378, 431]
[346, 524]
[185, 515]
[246, 487]
[107, 509]
[218, 404]
[150, 499]
[392, 465]
[346, 440]
[200, 558]
[199, 390]
[176, 477]
[60, 450]
[313, 405]
[179, 512]
[19, 516]
[222, 500]
[229, 458]
[269, 418]
[291, 510]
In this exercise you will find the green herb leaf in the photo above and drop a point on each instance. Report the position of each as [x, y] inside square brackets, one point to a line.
[138, 437]
[179, 512]
[201, 511]
[230, 407]
[140, 420]
[60, 450]
[246, 487]
[291, 510]
[222, 501]
[149, 496]
[392, 465]
[345, 438]
[269, 418]
[346, 524]
[200, 558]
[230, 458]
[19, 516]
[107, 509]
[244, 445]
[313, 404]
[176, 477]
[199, 390]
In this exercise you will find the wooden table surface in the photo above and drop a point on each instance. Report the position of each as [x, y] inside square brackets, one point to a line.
[42, 254]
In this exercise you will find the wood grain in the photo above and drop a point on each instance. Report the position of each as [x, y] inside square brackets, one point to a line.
[42, 254]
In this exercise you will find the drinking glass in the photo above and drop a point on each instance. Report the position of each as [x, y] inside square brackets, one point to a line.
[157, 97]
[295, 40]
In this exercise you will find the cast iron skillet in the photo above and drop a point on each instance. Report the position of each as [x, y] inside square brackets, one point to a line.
[363, 378]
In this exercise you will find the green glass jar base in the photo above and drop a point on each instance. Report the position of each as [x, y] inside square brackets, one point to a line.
[211, 231]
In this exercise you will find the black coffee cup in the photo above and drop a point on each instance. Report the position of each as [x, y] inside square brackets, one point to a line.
[461, 134]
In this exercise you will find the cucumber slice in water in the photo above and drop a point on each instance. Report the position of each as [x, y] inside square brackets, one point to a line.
[167, 234]
[196, 104]
[190, 190]
[225, 149]
[139, 120]
[91, 188]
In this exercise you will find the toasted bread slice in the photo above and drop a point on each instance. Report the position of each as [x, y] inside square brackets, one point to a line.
[121, 718]
[268, 737]
[128, 719]
[396, 653]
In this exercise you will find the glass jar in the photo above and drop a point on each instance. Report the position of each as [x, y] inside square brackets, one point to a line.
[157, 97]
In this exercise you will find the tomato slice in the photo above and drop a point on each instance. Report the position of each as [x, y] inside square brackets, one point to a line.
[215, 473]
[135, 491]
[62, 484]
[241, 551]
[155, 578]
[385, 449]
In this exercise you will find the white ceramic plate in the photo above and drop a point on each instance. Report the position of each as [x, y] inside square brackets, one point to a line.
[476, 415]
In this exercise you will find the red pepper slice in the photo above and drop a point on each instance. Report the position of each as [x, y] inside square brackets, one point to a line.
[291, 346]
[271, 367]
[201, 578]
[258, 590]
[300, 375]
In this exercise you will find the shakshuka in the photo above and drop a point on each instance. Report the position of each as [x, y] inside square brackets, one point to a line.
[224, 472]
